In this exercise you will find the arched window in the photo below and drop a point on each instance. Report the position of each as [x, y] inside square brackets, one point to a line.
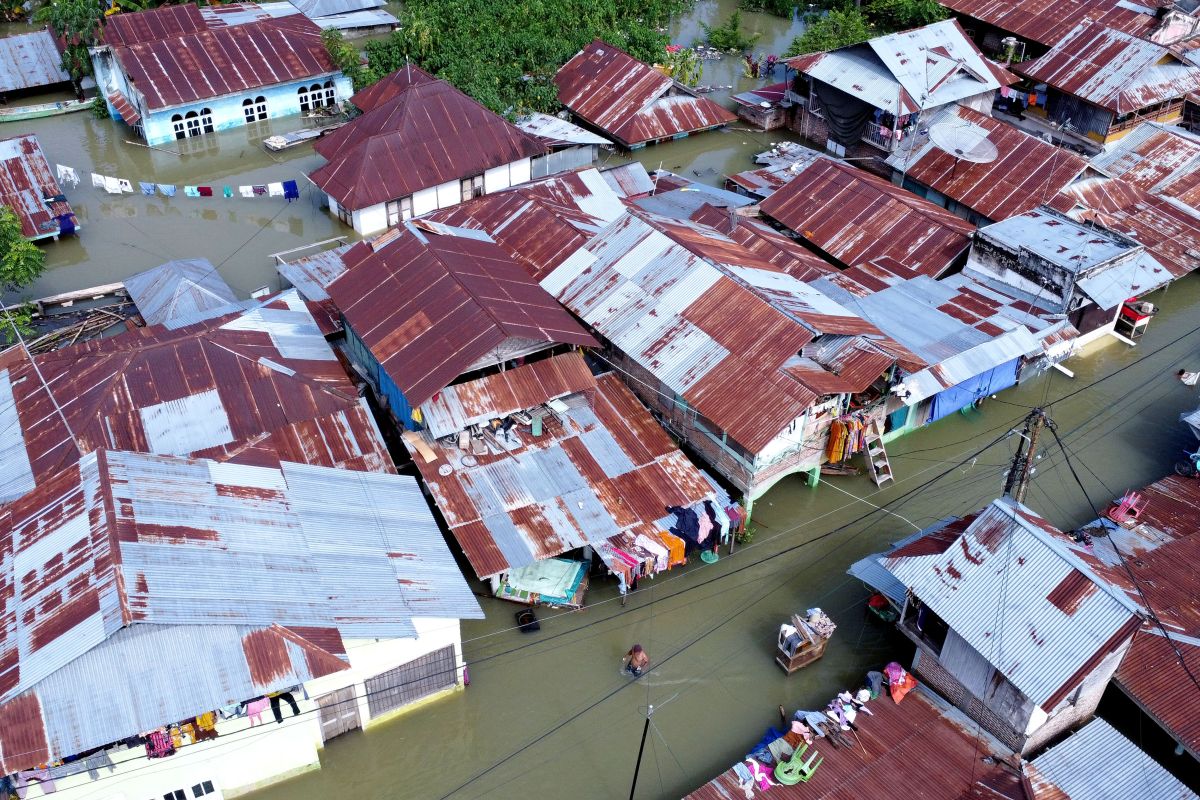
[303, 93]
[248, 109]
[260, 107]
[330, 94]
[193, 123]
[177, 124]
[314, 92]
[206, 120]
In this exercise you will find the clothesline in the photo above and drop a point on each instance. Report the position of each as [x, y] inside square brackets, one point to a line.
[289, 190]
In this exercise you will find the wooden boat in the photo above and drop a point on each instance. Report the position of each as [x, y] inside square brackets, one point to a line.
[283, 141]
[839, 469]
[18, 113]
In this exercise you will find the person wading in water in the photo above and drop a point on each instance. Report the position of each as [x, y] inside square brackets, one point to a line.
[635, 660]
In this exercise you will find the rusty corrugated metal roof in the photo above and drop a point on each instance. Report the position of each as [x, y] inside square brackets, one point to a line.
[765, 242]
[207, 62]
[121, 103]
[1113, 70]
[1156, 158]
[151, 25]
[918, 748]
[121, 539]
[217, 383]
[432, 306]
[387, 87]
[600, 468]
[631, 101]
[875, 219]
[424, 136]
[1048, 22]
[1027, 173]
[27, 184]
[28, 60]
[1010, 555]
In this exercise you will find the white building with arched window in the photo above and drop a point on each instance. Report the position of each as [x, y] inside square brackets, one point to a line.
[179, 72]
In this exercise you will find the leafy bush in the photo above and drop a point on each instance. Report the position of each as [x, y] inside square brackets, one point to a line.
[21, 261]
[682, 64]
[832, 30]
[99, 107]
[729, 36]
[898, 15]
[780, 8]
[78, 22]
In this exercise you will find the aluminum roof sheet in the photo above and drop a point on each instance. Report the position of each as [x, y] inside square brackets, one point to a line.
[425, 135]
[268, 372]
[190, 290]
[908, 71]
[1048, 22]
[28, 60]
[631, 101]
[1072, 246]
[432, 306]
[600, 468]
[559, 132]
[875, 219]
[26, 183]
[997, 590]
[122, 539]
[1027, 173]
[1113, 70]
[1068, 769]
[923, 730]
[324, 8]
[312, 274]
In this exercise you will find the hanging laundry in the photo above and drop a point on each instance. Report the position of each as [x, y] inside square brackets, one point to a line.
[704, 527]
[191, 191]
[147, 188]
[167, 189]
[67, 175]
[246, 191]
[275, 189]
[260, 189]
[66, 224]
[126, 186]
[112, 185]
[97, 181]
[291, 191]
[227, 191]
[205, 191]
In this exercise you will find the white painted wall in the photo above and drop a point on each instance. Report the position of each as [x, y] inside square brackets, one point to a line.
[371, 219]
[496, 179]
[449, 194]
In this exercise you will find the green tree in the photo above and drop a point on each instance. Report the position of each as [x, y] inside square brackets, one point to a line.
[729, 36]
[683, 65]
[837, 28]
[78, 22]
[19, 317]
[898, 15]
[21, 261]
[780, 8]
[346, 58]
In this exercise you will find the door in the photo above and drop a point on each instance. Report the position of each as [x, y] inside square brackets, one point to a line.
[338, 713]
[409, 682]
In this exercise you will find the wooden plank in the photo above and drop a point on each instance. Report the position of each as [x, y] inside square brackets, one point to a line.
[418, 443]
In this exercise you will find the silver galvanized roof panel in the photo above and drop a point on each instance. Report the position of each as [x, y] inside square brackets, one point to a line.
[191, 289]
[558, 130]
[191, 423]
[312, 274]
[1097, 763]
[1111, 287]
[324, 8]
[28, 60]
[870, 570]
[16, 474]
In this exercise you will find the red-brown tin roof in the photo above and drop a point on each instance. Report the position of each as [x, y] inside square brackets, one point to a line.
[26, 183]
[1048, 22]
[387, 87]
[154, 24]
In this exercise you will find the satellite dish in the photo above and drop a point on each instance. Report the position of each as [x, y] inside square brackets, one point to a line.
[966, 142]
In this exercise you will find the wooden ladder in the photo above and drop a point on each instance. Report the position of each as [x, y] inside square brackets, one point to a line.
[876, 455]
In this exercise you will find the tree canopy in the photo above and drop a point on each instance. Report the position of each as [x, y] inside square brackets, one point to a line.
[78, 22]
[21, 261]
[505, 54]
[848, 24]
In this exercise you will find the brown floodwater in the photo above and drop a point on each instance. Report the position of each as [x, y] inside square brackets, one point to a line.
[549, 714]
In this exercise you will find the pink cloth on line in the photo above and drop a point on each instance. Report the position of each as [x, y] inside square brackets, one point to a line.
[705, 526]
[255, 709]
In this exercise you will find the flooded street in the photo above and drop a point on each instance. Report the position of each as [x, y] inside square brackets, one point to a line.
[550, 713]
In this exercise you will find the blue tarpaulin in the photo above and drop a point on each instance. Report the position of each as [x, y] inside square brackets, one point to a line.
[964, 394]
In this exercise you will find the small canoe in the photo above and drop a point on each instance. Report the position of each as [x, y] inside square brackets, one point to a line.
[18, 113]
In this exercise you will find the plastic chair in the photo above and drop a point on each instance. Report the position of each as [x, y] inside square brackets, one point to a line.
[797, 769]
[1128, 509]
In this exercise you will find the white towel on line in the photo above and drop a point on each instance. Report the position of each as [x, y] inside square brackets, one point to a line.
[275, 189]
[126, 186]
[67, 175]
[112, 185]
[246, 191]
[97, 181]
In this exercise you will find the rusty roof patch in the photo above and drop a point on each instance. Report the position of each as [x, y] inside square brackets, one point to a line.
[1048, 22]
[28, 187]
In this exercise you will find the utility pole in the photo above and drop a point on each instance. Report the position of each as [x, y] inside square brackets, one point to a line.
[641, 748]
[1017, 482]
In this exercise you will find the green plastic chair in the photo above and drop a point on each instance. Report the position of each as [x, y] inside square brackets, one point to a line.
[797, 769]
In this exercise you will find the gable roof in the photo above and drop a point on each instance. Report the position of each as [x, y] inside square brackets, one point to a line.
[26, 183]
[1113, 70]
[1048, 22]
[164, 22]
[180, 292]
[1059, 618]
[214, 384]
[433, 303]
[875, 219]
[630, 100]
[908, 71]
[1027, 172]
[122, 552]
[425, 135]
[213, 61]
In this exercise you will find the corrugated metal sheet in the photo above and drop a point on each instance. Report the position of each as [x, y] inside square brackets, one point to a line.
[1048, 22]
[908, 71]
[1068, 769]
[896, 740]
[992, 590]
[1113, 70]
[559, 132]
[28, 60]
[432, 306]
[387, 87]
[104, 386]
[324, 8]
[189, 288]
[601, 468]
[26, 184]
[631, 101]
[1027, 173]
[781, 163]
[217, 556]
[209, 61]
[765, 242]
[1073, 247]
[165, 22]
[242, 13]
[875, 219]
[1155, 158]
[125, 109]
[424, 136]
[312, 274]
